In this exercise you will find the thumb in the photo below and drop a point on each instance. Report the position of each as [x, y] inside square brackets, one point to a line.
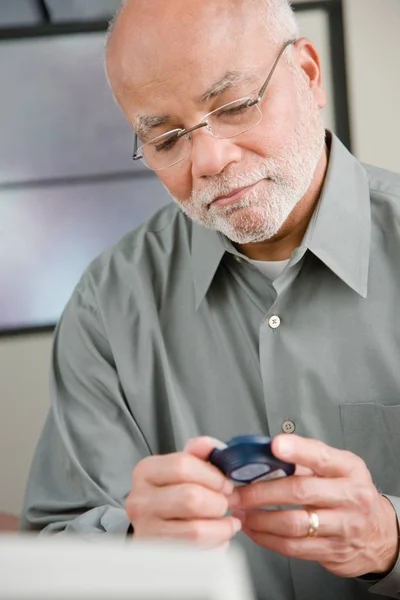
[201, 447]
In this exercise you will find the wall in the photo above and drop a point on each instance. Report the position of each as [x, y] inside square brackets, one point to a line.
[373, 56]
[24, 400]
[372, 41]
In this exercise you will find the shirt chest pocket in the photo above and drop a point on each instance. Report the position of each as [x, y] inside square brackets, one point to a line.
[372, 431]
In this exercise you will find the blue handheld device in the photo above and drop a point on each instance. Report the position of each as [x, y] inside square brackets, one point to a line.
[248, 459]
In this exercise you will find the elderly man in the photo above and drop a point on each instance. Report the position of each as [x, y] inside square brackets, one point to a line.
[264, 299]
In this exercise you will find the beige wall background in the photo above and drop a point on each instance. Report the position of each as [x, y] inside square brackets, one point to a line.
[373, 56]
[24, 400]
[372, 44]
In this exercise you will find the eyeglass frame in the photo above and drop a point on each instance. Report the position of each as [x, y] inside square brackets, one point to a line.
[204, 123]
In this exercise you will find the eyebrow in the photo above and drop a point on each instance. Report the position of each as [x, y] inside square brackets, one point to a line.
[224, 83]
[143, 124]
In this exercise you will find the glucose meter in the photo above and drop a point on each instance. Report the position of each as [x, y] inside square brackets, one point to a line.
[249, 459]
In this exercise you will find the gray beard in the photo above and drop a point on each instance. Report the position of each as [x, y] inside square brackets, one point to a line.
[260, 215]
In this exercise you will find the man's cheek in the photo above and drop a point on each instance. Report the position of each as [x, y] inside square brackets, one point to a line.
[179, 192]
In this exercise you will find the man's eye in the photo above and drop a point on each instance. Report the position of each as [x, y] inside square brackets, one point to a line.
[166, 145]
[234, 110]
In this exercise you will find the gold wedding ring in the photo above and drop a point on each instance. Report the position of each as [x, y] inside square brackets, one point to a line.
[313, 524]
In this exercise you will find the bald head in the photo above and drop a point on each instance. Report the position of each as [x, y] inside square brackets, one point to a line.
[138, 20]
[278, 14]
[175, 65]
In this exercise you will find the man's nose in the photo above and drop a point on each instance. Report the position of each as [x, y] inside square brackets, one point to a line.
[210, 155]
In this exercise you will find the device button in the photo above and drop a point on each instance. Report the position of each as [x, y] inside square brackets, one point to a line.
[274, 322]
[288, 426]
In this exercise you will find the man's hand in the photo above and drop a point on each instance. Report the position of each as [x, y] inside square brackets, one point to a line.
[357, 531]
[182, 496]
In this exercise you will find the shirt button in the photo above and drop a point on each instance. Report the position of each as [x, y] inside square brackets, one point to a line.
[238, 259]
[274, 322]
[288, 426]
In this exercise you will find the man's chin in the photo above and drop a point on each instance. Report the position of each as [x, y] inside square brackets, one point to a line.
[242, 225]
[245, 231]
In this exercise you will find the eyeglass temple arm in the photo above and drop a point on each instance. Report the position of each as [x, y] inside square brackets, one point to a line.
[135, 155]
[264, 87]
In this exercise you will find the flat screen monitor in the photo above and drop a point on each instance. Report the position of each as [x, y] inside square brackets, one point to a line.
[62, 568]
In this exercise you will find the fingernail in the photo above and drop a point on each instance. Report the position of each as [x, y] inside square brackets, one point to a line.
[218, 444]
[284, 444]
[228, 487]
[234, 499]
[237, 524]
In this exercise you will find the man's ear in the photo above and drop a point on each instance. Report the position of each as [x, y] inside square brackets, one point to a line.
[307, 57]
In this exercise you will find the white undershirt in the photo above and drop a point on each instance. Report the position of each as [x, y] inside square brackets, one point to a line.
[270, 268]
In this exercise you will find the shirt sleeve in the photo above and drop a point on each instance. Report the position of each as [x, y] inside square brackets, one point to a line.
[389, 585]
[82, 469]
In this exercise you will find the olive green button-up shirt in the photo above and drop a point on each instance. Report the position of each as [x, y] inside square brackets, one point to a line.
[172, 334]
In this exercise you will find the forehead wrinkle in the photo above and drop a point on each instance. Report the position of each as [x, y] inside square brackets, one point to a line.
[227, 81]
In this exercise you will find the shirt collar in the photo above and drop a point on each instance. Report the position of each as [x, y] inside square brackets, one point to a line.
[208, 248]
[338, 234]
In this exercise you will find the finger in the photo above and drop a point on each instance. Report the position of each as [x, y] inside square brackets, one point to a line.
[322, 459]
[203, 446]
[296, 491]
[180, 467]
[290, 523]
[301, 471]
[187, 501]
[206, 533]
[310, 548]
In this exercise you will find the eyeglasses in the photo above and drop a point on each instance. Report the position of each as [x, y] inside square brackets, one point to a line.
[227, 121]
